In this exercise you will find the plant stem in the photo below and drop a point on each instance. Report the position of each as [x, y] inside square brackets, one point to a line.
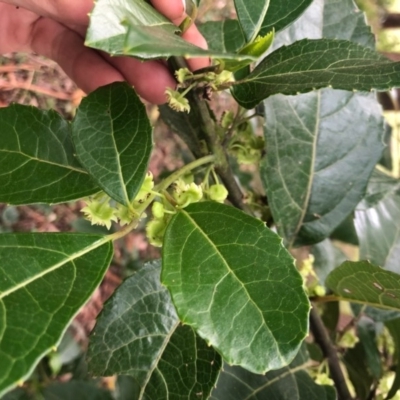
[222, 167]
[321, 337]
[184, 170]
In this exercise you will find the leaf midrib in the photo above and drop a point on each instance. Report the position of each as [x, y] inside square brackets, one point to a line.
[61, 263]
[237, 279]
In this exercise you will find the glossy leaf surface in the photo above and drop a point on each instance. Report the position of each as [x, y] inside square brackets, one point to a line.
[46, 278]
[308, 65]
[234, 283]
[138, 334]
[37, 159]
[282, 13]
[289, 383]
[322, 148]
[363, 282]
[113, 140]
[317, 141]
[122, 27]
[223, 36]
[251, 14]
[378, 228]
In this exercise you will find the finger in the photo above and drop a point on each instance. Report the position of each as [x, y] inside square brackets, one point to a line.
[150, 79]
[83, 65]
[90, 70]
[64, 11]
[175, 11]
[172, 9]
[193, 35]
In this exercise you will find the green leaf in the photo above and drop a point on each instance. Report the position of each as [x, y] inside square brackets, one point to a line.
[365, 283]
[46, 278]
[326, 258]
[76, 390]
[308, 65]
[188, 126]
[344, 20]
[188, 367]
[138, 334]
[380, 186]
[356, 364]
[394, 329]
[37, 158]
[366, 331]
[251, 14]
[223, 36]
[378, 230]
[134, 28]
[259, 46]
[346, 231]
[113, 140]
[333, 19]
[290, 383]
[283, 13]
[322, 148]
[215, 255]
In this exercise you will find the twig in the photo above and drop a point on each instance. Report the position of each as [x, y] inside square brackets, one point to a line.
[321, 337]
[222, 167]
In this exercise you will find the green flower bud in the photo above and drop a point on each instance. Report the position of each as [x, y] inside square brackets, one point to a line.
[218, 193]
[177, 101]
[349, 339]
[158, 210]
[186, 194]
[99, 213]
[224, 77]
[183, 74]
[155, 230]
[124, 215]
[323, 379]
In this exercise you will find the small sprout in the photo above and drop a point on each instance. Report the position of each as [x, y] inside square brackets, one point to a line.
[217, 193]
[177, 101]
[183, 74]
[99, 212]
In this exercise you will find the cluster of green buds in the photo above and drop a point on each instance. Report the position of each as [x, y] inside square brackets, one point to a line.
[245, 146]
[184, 192]
[101, 210]
[310, 278]
[187, 80]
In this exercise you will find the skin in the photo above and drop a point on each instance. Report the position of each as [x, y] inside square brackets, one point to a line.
[56, 29]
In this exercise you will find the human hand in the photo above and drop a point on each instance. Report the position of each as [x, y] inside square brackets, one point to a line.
[56, 29]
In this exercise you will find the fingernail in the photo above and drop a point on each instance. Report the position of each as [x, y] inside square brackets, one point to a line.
[184, 6]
